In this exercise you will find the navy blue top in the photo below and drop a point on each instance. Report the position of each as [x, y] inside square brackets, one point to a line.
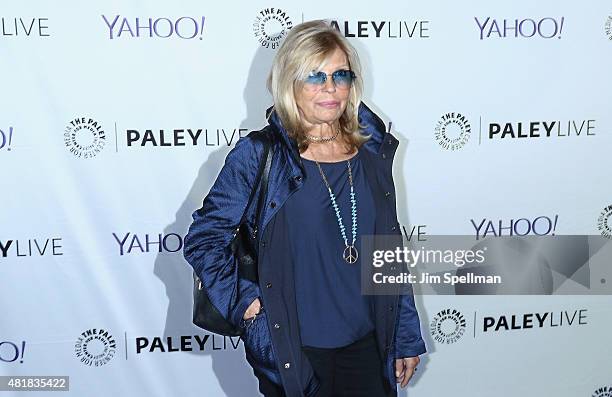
[332, 311]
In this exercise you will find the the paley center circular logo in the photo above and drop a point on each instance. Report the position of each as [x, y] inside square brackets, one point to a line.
[447, 326]
[270, 26]
[84, 137]
[452, 131]
[95, 347]
[605, 391]
[603, 222]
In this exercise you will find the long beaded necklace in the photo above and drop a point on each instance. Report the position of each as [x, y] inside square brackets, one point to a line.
[350, 253]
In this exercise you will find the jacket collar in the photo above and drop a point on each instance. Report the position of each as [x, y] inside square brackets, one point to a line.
[371, 123]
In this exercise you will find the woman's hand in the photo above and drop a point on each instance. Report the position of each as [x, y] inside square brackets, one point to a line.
[404, 369]
[252, 310]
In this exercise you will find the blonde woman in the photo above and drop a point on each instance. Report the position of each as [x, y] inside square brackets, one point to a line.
[308, 329]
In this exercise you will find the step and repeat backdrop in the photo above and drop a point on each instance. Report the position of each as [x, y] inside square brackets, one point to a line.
[116, 116]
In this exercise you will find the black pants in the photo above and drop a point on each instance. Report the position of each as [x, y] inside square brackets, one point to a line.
[354, 370]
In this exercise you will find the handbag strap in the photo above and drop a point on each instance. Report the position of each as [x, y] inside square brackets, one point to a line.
[248, 270]
[263, 173]
[263, 136]
[264, 183]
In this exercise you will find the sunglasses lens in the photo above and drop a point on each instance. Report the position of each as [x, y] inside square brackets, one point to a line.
[317, 78]
[343, 78]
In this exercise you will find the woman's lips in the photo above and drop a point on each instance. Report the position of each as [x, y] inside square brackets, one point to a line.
[329, 104]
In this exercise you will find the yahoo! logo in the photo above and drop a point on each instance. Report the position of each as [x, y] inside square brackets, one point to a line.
[183, 27]
[6, 138]
[170, 242]
[546, 28]
[11, 352]
[540, 226]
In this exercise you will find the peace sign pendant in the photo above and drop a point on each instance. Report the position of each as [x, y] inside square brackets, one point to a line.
[350, 254]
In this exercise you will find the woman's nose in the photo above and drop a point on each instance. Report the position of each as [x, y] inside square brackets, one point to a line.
[329, 85]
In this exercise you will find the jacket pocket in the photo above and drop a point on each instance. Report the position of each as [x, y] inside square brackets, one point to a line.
[258, 342]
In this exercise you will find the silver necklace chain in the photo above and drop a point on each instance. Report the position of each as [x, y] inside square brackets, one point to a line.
[323, 139]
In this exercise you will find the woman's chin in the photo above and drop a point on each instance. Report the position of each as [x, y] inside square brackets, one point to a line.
[329, 116]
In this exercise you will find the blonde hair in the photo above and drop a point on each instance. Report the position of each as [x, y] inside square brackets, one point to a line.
[307, 47]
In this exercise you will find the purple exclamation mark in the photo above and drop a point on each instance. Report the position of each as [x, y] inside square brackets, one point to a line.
[10, 140]
[561, 27]
[3, 139]
[202, 27]
[22, 351]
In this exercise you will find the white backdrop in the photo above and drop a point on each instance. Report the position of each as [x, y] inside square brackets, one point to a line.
[91, 228]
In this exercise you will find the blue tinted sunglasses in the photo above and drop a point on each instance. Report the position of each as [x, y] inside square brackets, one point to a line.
[342, 78]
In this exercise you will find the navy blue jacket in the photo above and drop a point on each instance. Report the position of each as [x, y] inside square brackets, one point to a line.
[272, 341]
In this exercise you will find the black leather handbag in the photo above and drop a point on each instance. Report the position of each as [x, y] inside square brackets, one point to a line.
[244, 249]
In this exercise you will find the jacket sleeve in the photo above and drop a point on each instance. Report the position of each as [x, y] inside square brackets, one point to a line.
[408, 339]
[207, 243]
